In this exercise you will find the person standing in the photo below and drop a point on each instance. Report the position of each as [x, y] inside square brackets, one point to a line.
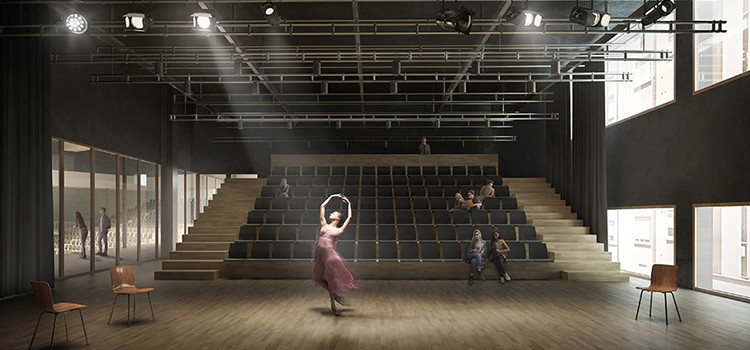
[104, 224]
[329, 271]
[83, 232]
[424, 147]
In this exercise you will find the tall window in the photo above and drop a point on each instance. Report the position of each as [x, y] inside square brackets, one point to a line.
[652, 82]
[639, 238]
[721, 251]
[721, 56]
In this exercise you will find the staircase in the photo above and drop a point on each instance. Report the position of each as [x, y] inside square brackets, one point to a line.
[202, 251]
[568, 241]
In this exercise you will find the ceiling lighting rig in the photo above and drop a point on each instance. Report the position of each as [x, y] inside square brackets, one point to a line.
[588, 17]
[524, 17]
[137, 22]
[457, 19]
[662, 9]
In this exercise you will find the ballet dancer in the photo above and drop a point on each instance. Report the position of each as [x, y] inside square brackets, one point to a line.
[329, 271]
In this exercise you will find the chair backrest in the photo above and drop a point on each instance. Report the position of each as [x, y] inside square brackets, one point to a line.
[122, 276]
[664, 276]
[42, 296]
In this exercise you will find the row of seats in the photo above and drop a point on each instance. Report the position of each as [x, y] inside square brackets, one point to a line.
[388, 233]
[379, 191]
[385, 251]
[384, 180]
[384, 203]
[390, 217]
[384, 170]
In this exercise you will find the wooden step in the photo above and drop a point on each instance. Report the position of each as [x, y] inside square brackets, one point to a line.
[213, 237]
[197, 254]
[542, 202]
[228, 229]
[588, 265]
[552, 215]
[191, 264]
[567, 238]
[557, 222]
[576, 246]
[577, 255]
[595, 276]
[524, 179]
[203, 246]
[186, 274]
[561, 229]
[545, 208]
[526, 195]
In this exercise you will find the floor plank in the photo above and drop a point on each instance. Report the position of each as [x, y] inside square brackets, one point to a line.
[418, 314]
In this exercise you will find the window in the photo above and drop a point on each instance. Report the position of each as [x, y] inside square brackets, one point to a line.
[721, 56]
[652, 82]
[639, 238]
[77, 214]
[721, 251]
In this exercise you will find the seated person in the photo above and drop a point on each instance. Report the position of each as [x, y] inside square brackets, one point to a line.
[473, 202]
[283, 188]
[460, 203]
[487, 190]
[498, 255]
[473, 257]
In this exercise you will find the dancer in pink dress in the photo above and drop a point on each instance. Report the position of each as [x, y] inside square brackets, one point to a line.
[330, 272]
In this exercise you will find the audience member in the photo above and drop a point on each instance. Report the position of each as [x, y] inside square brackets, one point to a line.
[473, 202]
[424, 147]
[283, 188]
[474, 257]
[498, 255]
[487, 190]
[459, 203]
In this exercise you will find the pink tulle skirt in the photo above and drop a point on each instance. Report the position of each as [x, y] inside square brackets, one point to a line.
[330, 272]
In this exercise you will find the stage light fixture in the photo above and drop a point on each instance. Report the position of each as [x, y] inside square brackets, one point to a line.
[524, 18]
[272, 16]
[76, 23]
[268, 8]
[459, 20]
[203, 21]
[662, 9]
[589, 17]
[137, 22]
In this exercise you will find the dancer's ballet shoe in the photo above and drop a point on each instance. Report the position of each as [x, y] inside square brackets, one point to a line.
[334, 309]
[340, 299]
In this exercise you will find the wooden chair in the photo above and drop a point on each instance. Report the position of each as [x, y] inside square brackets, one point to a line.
[123, 283]
[43, 301]
[663, 280]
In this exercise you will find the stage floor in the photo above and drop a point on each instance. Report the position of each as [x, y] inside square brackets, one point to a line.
[292, 314]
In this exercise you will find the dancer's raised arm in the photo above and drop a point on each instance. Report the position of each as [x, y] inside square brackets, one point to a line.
[323, 210]
[348, 217]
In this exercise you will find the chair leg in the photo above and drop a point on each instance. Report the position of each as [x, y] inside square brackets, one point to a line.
[113, 309]
[83, 324]
[650, 303]
[639, 305]
[128, 310]
[52, 339]
[35, 329]
[675, 306]
[152, 306]
[134, 295]
[65, 318]
[666, 313]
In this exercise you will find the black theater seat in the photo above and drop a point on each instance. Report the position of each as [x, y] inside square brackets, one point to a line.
[538, 251]
[300, 191]
[414, 170]
[384, 191]
[337, 180]
[368, 170]
[311, 217]
[274, 217]
[345, 249]
[387, 250]
[499, 217]
[368, 180]
[367, 217]
[444, 170]
[404, 217]
[384, 170]
[461, 217]
[442, 217]
[268, 191]
[463, 181]
[367, 191]
[490, 203]
[399, 170]
[384, 180]
[475, 170]
[452, 251]
[309, 232]
[274, 180]
[459, 170]
[238, 250]
[420, 203]
[400, 180]
[385, 203]
[260, 250]
[249, 232]
[446, 233]
[408, 251]
[416, 180]
[277, 170]
[517, 250]
[303, 250]
[517, 217]
[352, 171]
[279, 203]
[418, 191]
[263, 203]
[386, 233]
[318, 191]
[282, 250]
[479, 217]
[293, 217]
[287, 233]
[465, 232]
[337, 170]
[386, 217]
[509, 203]
[430, 250]
[297, 203]
[267, 233]
[403, 203]
[367, 203]
[438, 203]
[366, 251]
[352, 180]
[305, 180]
[507, 232]
[526, 233]
[255, 217]
[501, 191]
[407, 233]
[431, 180]
[423, 217]
[400, 191]
[428, 170]
[308, 170]
[323, 171]
[447, 180]
[426, 233]
[489, 170]
[367, 233]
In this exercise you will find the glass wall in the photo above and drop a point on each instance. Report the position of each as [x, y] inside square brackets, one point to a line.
[78, 248]
[721, 252]
[652, 81]
[210, 184]
[149, 215]
[77, 213]
[105, 199]
[181, 212]
[724, 55]
[639, 238]
[191, 205]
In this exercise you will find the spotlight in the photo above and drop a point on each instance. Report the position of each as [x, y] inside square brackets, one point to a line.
[203, 21]
[268, 8]
[662, 8]
[460, 20]
[137, 22]
[589, 17]
[76, 23]
[272, 16]
[524, 18]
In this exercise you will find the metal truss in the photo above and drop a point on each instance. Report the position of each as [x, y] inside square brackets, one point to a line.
[360, 139]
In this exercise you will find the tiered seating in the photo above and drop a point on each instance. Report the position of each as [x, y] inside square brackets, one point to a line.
[400, 214]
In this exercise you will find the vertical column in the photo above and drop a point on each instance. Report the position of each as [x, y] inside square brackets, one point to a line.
[157, 228]
[61, 221]
[168, 177]
[93, 227]
[118, 180]
[198, 205]
[138, 211]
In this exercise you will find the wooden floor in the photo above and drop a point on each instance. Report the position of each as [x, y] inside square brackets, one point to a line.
[292, 314]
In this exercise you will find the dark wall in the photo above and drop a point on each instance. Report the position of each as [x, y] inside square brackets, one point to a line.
[119, 118]
[524, 157]
[693, 151]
